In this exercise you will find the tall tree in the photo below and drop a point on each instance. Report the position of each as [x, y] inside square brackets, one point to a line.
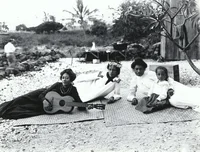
[129, 24]
[82, 13]
[187, 11]
[21, 27]
[49, 18]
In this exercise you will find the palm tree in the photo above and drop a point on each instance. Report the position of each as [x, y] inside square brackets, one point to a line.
[82, 13]
[48, 17]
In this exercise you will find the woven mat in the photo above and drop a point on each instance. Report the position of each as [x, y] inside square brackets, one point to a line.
[76, 116]
[123, 113]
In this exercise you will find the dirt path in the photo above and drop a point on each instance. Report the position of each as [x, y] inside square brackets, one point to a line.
[92, 136]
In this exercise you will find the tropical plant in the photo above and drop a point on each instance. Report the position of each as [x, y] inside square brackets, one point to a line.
[49, 18]
[98, 28]
[21, 27]
[129, 24]
[3, 27]
[82, 13]
[166, 15]
[48, 27]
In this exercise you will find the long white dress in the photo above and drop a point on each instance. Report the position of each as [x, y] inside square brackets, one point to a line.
[184, 96]
[91, 87]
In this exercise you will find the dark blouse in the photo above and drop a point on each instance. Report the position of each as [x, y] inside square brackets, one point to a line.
[58, 87]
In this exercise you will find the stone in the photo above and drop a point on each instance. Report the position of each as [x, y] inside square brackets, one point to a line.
[10, 70]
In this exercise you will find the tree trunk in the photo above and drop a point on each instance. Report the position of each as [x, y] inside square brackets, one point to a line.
[192, 64]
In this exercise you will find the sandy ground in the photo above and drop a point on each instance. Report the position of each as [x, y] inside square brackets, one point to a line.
[94, 136]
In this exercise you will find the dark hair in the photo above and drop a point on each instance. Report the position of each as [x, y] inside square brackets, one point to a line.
[71, 74]
[138, 61]
[117, 66]
[164, 69]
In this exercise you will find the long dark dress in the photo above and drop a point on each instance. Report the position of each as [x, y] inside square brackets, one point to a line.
[150, 104]
[31, 104]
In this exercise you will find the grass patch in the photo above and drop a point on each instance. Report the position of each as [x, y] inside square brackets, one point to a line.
[68, 38]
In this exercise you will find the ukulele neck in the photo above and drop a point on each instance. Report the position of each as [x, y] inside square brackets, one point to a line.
[78, 104]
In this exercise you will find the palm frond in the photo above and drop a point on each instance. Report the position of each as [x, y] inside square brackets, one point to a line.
[77, 11]
[80, 6]
[85, 9]
[93, 11]
[68, 12]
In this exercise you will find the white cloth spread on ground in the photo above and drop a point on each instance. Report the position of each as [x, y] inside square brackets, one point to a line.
[184, 96]
[91, 87]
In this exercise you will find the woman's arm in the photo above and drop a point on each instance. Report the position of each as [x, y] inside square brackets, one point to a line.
[88, 77]
[77, 98]
[133, 90]
[117, 95]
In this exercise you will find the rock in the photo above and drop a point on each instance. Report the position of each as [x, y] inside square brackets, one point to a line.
[21, 68]
[42, 60]
[32, 64]
[2, 76]
[43, 53]
[25, 65]
[48, 58]
[2, 73]
[52, 53]
[2, 68]
[10, 70]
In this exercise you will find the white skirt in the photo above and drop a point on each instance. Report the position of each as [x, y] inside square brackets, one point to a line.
[91, 89]
[185, 97]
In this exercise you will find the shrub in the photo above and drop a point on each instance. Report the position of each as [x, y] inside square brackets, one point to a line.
[43, 40]
[99, 28]
[48, 27]
[74, 38]
[21, 27]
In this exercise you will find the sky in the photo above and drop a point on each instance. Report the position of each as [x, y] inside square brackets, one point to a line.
[31, 12]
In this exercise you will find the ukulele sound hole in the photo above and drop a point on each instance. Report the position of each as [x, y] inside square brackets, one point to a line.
[62, 103]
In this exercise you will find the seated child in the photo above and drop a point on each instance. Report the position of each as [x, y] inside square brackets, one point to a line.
[157, 98]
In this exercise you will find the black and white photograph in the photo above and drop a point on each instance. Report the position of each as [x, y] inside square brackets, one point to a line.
[99, 75]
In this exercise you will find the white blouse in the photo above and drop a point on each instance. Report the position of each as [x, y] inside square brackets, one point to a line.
[160, 88]
[140, 85]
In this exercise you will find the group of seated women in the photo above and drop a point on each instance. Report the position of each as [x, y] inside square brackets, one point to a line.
[149, 91]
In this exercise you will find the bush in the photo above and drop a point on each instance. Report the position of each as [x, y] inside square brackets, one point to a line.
[31, 29]
[68, 38]
[21, 27]
[48, 27]
[99, 28]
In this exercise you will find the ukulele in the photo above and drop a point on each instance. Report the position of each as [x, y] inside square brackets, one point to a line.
[56, 103]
